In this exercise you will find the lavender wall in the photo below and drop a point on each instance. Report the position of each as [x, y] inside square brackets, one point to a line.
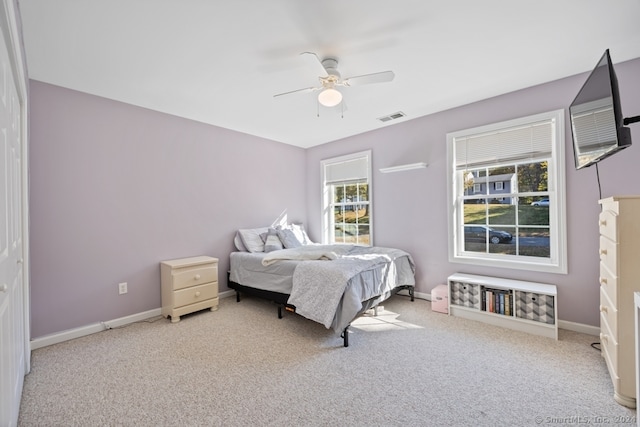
[115, 189]
[410, 208]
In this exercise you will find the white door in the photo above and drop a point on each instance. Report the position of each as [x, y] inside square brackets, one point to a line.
[13, 351]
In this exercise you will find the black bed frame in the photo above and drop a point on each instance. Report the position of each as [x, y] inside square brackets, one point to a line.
[281, 300]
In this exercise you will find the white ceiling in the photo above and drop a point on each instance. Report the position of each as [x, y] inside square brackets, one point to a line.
[221, 62]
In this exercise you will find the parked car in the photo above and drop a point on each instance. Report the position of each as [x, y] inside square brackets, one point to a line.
[541, 202]
[478, 233]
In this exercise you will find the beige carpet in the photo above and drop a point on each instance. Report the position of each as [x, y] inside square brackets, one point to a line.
[242, 366]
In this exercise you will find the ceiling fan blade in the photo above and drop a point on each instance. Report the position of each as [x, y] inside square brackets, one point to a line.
[305, 90]
[381, 77]
[316, 62]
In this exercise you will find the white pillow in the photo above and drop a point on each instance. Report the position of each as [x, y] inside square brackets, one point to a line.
[301, 234]
[251, 240]
[237, 241]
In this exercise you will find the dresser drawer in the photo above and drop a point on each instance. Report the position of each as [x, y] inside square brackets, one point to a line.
[194, 294]
[184, 278]
[608, 312]
[609, 346]
[609, 283]
[608, 221]
[609, 254]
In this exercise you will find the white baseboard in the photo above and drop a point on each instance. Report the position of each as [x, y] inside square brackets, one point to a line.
[122, 321]
[101, 326]
[579, 327]
[91, 329]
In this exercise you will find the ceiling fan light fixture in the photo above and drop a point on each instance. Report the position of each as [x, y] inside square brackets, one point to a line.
[330, 97]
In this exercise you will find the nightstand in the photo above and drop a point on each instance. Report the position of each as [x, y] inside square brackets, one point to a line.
[188, 285]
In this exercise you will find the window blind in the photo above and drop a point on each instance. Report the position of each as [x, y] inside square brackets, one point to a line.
[347, 171]
[595, 127]
[533, 141]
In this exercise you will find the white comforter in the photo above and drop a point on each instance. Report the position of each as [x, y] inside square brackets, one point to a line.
[307, 252]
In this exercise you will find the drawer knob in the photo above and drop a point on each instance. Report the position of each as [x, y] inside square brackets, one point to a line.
[197, 294]
[604, 338]
[603, 280]
[603, 251]
[603, 309]
[3, 287]
[603, 222]
[196, 277]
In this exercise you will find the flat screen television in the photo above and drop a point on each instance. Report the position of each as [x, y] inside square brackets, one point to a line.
[597, 125]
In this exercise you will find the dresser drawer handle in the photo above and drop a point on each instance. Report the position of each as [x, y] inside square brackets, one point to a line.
[603, 222]
[197, 294]
[603, 309]
[603, 251]
[196, 277]
[603, 280]
[4, 287]
[604, 337]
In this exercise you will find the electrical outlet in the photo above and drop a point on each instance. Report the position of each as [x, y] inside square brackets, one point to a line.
[122, 288]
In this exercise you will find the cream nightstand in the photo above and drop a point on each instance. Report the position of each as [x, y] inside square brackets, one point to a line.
[188, 285]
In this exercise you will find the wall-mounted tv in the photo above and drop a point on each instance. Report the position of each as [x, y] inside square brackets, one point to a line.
[597, 124]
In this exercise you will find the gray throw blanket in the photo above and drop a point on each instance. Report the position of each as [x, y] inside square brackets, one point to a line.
[318, 286]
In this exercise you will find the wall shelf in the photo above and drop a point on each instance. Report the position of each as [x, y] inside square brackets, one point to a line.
[406, 167]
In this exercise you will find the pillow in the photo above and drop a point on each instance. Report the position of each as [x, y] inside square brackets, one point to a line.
[237, 241]
[251, 239]
[288, 238]
[301, 234]
[272, 241]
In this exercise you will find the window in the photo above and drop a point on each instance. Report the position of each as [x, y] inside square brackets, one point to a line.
[524, 225]
[346, 199]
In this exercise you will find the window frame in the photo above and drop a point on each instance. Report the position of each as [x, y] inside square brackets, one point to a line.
[327, 205]
[557, 262]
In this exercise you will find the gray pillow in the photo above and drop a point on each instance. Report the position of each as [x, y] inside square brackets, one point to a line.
[272, 241]
[288, 238]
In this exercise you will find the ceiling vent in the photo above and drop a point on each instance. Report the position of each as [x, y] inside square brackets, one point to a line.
[390, 117]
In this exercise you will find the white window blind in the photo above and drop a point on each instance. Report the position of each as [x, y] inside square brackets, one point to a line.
[533, 141]
[595, 127]
[347, 171]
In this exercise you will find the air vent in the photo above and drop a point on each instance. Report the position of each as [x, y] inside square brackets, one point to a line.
[390, 117]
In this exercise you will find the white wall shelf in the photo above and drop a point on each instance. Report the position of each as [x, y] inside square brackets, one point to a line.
[407, 167]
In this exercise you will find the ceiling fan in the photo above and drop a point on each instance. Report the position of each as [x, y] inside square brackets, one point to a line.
[330, 79]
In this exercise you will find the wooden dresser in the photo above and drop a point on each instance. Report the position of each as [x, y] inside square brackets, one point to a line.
[188, 285]
[619, 279]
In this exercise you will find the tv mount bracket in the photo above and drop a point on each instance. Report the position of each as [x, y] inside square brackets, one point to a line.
[629, 120]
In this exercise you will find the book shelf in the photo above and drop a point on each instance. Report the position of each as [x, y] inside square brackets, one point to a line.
[514, 304]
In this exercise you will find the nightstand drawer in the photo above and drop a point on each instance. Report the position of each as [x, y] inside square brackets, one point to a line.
[194, 276]
[195, 294]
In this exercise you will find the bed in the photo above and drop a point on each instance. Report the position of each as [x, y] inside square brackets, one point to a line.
[329, 284]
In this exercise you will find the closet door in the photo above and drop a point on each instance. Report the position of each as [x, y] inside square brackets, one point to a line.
[13, 338]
